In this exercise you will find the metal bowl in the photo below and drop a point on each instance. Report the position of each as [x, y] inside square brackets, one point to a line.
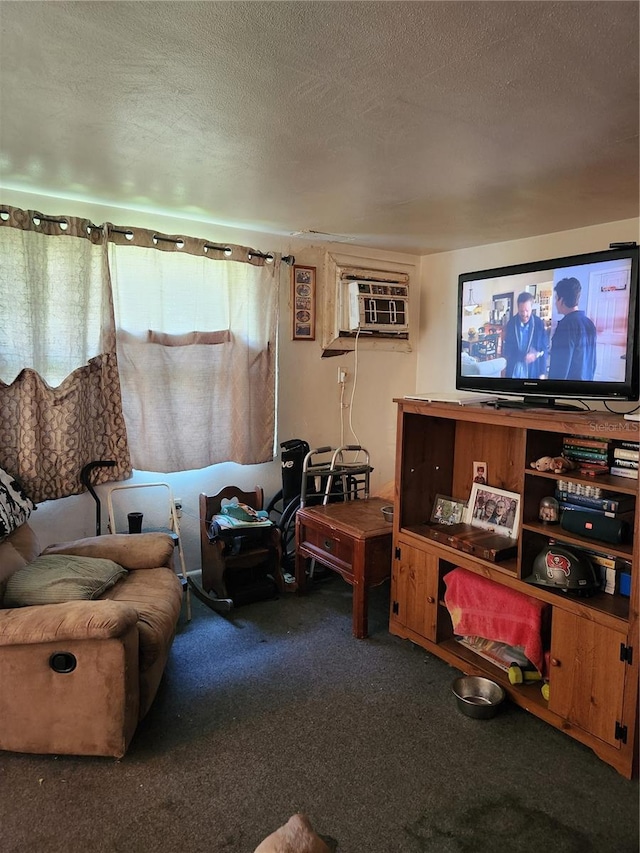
[387, 512]
[478, 697]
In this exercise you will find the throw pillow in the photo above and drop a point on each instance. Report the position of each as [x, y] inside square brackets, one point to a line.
[15, 505]
[54, 579]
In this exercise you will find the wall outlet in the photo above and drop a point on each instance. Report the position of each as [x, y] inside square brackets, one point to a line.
[342, 375]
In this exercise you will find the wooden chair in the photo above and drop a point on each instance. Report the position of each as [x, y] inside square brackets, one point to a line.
[241, 564]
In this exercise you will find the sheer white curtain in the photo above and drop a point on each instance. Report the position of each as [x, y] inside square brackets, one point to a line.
[196, 351]
[60, 404]
[52, 304]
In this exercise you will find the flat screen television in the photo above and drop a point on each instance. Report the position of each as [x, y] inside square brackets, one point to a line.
[564, 328]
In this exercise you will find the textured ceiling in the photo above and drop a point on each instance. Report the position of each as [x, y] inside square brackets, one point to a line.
[410, 126]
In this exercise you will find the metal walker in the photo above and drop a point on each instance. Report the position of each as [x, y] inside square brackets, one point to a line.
[312, 478]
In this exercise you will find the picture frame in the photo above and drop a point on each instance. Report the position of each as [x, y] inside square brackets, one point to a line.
[502, 307]
[484, 510]
[303, 303]
[448, 510]
[480, 473]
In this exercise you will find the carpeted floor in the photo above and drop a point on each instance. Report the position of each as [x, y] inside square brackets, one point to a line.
[278, 709]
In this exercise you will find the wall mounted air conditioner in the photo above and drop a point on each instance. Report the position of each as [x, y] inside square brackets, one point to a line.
[376, 307]
[365, 305]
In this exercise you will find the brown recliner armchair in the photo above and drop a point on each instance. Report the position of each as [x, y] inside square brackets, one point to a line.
[77, 677]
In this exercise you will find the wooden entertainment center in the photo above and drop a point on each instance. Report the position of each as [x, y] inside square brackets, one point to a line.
[592, 642]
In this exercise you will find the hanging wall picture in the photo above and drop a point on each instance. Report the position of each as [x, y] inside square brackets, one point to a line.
[304, 303]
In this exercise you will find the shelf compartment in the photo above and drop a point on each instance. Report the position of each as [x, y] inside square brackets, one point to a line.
[605, 481]
[527, 696]
[615, 606]
[439, 461]
[560, 534]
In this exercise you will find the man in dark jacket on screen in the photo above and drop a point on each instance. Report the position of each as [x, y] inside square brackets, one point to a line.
[525, 342]
[573, 346]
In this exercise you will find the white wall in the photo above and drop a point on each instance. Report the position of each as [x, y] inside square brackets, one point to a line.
[439, 288]
[309, 397]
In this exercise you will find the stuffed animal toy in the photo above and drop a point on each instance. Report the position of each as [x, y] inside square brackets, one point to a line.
[296, 836]
[556, 464]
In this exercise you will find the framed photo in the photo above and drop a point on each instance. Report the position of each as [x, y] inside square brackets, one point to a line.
[303, 301]
[447, 510]
[480, 473]
[503, 307]
[494, 509]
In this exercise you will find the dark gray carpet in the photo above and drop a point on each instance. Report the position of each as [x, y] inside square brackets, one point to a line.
[278, 709]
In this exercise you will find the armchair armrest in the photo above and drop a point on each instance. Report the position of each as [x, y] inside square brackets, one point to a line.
[137, 551]
[74, 620]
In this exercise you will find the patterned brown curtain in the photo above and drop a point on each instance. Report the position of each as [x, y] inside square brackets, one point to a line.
[60, 401]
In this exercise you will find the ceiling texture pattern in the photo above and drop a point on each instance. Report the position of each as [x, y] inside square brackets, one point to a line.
[409, 126]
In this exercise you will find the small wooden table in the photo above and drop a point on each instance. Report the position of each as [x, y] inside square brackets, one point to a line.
[351, 538]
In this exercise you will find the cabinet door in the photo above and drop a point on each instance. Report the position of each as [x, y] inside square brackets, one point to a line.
[414, 590]
[586, 675]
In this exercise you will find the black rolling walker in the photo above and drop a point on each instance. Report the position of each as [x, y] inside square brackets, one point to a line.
[314, 477]
[283, 507]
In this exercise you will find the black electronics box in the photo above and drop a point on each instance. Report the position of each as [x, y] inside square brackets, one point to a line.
[591, 525]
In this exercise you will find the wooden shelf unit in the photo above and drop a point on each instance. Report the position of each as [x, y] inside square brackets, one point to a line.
[592, 642]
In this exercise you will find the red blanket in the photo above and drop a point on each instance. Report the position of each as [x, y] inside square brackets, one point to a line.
[482, 608]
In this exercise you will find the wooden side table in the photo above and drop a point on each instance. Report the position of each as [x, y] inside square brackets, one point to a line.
[351, 538]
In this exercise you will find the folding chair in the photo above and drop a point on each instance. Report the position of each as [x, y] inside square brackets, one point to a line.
[159, 515]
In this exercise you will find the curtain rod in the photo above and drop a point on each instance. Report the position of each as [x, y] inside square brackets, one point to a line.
[227, 250]
[127, 232]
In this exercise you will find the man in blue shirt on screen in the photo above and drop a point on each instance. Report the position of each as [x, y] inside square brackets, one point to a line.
[573, 346]
[525, 342]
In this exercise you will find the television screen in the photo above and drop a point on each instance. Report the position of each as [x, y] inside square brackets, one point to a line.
[565, 328]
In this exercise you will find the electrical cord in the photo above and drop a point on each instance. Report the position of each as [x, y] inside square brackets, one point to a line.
[353, 390]
[614, 412]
